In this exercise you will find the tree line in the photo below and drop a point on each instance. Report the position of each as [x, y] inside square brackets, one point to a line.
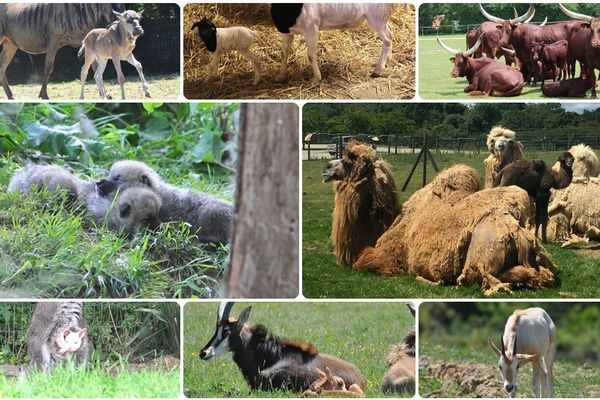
[469, 13]
[449, 120]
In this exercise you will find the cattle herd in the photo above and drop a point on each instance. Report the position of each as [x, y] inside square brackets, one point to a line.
[532, 53]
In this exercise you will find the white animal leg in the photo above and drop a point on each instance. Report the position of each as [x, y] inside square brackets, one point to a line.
[121, 78]
[312, 40]
[89, 59]
[255, 62]
[535, 382]
[384, 33]
[98, 77]
[213, 66]
[286, 43]
[8, 53]
[140, 70]
[544, 377]
[550, 365]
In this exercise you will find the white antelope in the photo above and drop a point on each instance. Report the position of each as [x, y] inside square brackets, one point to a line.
[536, 343]
[116, 42]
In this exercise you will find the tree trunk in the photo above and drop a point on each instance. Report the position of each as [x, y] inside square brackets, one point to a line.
[264, 253]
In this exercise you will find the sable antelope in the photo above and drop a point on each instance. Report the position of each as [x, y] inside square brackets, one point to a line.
[536, 343]
[116, 42]
[39, 28]
[270, 362]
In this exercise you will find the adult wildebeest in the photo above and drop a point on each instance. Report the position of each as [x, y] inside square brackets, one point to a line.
[39, 28]
[270, 362]
[590, 34]
[522, 37]
[486, 77]
[116, 42]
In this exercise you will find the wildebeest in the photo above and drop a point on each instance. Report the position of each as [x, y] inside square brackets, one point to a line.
[270, 362]
[591, 37]
[116, 42]
[576, 87]
[486, 77]
[549, 60]
[38, 28]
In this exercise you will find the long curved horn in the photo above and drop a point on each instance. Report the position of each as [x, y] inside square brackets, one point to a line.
[445, 47]
[509, 51]
[475, 46]
[224, 310]
[530, 12]
[489, 16]
[502, 343]
[528, 20]
[573, 14]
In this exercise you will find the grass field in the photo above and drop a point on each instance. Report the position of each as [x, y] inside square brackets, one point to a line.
[162, 87]
[360, 333]
[49, 249]
[68, 382]
[435, 81]
[323, 277]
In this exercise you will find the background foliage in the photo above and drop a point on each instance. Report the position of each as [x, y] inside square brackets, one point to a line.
[117, 331]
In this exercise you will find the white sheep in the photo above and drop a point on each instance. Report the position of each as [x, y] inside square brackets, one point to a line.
[308, 19]
[529, 336]
[220, 40]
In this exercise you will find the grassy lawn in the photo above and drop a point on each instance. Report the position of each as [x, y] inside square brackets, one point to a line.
[322, 277]
[435, 81]
[360, 333]
[48, 249]
[166, 87]
[67, 382]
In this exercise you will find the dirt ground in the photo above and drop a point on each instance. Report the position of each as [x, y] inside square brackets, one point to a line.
[473, 379]
[346, 59]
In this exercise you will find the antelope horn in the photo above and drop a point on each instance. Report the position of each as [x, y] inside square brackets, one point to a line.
[475, 46]
[509, 51]
[529, 14]
[573, 14]
[544, 23]
[489, 16]
[445, 47]
[502, 343]
[224, 310]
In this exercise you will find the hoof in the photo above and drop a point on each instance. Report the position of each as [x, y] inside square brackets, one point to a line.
[148, 95]
[108, 97]
[375, 75]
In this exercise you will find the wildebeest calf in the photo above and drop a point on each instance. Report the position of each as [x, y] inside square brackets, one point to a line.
[117, 43]
[576, 87]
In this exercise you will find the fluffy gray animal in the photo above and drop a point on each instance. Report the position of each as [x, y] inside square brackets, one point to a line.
[210, 217]
[53, 177]
[57, 332]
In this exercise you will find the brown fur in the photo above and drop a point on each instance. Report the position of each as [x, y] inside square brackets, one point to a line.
[400, 377]
[499, 159]
[450, 233]
[303, 346]
[366, 202]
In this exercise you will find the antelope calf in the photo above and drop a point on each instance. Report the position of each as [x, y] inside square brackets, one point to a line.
[529, 336]
[270, 362]
[117, 43]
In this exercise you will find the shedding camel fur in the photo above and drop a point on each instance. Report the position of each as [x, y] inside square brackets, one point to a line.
[504, 148]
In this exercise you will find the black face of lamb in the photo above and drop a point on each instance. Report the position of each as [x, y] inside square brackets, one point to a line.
[285, 15]
[208, 33]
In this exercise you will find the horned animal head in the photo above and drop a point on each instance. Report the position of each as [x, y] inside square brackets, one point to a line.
[509, 363]
[227, 333]
[130, 20]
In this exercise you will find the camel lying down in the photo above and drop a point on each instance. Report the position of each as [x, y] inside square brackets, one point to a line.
[450, 232]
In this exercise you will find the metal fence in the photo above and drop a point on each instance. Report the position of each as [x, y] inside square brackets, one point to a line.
[158, 50]
[318, 147]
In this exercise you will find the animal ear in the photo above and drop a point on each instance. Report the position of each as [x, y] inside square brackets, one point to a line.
[140, 14]
[82, 333]
[244, 315]
[585, 25]
[320, 372]
[494, 348]
[117, 14]
[124, 210]
[452, 59]
[499, 27]
[525, 358]
[196, 25]
[66, 333]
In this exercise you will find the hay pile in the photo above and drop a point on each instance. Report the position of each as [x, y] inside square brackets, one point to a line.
[346, 59]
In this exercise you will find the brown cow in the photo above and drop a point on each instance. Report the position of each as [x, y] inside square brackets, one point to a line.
[486, 77]
[549, 60]
[489, 45]
[591, 34]
[566, 88]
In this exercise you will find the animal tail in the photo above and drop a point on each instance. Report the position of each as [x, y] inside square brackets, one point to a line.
[516, 91]
[81, 51]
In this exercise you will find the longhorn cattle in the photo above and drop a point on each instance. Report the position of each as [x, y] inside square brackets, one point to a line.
[549, 60]
[490, 44]
[566, 88]
[590, 36]
[486, 77]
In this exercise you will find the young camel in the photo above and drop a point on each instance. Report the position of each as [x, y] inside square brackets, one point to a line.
[117, 43]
